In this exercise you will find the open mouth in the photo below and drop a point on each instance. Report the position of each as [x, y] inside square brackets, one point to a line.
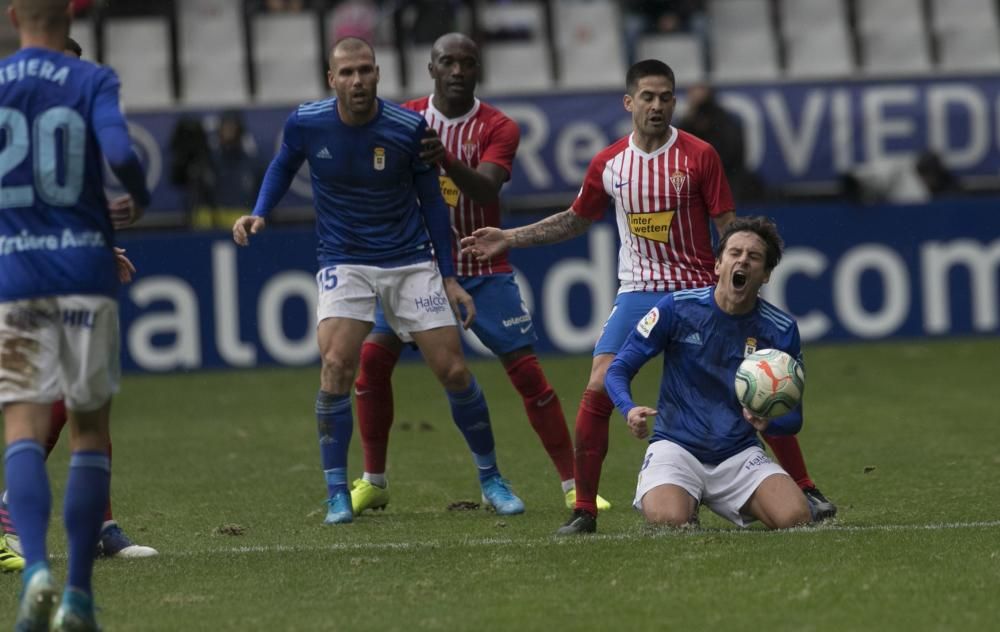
[739, 279]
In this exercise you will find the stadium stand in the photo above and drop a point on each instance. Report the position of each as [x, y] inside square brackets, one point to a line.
[528, 45]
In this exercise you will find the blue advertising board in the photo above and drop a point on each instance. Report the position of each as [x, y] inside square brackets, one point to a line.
[849, 273]
[795, 133]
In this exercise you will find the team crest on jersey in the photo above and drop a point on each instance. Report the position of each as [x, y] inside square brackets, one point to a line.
[645, 326]
[654, 226]
[749, 347]
[469, 148]
[379, 158]
[677, 179]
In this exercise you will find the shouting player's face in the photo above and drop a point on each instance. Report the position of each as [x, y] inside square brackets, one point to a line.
[652, 105]
[741, 270]
[455, 70]
[353, 75]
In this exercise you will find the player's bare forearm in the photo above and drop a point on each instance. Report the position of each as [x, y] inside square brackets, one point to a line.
[555, 228]
[723, 220]
[481, 188]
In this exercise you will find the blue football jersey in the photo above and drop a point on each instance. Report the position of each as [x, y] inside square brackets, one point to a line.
[57, 113]
[702, 348]
[364, 182]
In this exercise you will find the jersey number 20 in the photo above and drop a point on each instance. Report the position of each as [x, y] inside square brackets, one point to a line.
[46, 132]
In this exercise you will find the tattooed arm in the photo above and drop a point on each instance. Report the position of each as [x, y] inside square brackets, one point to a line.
[486, 243]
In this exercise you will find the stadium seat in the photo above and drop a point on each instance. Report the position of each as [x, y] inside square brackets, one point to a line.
[516, 67]
[816, 36]
[969, 49]
[743, 56]
[139, 51]
[742, 41]
[588, 37]
[390, 82]
[418, 80]
[682, 52]
[83, 32]
[823, 50]
[516, 58]
[212, 31]
[287, 62]
[736, 15]
[948, 15]
[899, 50]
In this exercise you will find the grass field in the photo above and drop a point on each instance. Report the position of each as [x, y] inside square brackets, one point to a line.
[903, 436]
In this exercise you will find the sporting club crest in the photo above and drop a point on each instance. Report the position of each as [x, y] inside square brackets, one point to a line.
[678, 179]
[379, 158]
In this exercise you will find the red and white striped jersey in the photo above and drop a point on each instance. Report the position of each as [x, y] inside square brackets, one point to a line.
[664, 202]
[484, 134]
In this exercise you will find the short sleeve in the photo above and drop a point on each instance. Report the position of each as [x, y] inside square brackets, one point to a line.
[502, 145]
[715, 192]
[592, 200]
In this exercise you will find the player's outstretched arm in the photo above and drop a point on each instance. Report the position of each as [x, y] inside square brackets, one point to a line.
[486, 243]
[245, 226]
[460, 301]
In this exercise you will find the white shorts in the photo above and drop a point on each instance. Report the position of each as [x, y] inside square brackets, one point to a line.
[723, 488]
[412, 296]
[60, 347]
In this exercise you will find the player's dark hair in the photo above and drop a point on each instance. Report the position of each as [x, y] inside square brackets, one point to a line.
[73, 46]
[761, 226]
[647, 68]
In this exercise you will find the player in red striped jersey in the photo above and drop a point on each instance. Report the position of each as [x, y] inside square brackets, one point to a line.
[667, 187]
[474, 145]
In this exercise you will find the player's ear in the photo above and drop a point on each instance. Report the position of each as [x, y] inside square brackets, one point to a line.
[12, 16]
[627, 101]
[718, 266]
[329, 79]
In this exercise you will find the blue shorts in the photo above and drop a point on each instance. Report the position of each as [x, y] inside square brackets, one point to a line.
[629, 308]
[502, 323]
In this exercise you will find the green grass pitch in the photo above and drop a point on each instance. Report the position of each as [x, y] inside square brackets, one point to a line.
[903, 436]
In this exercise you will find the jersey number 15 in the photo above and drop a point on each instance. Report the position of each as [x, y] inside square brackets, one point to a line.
[55, 129]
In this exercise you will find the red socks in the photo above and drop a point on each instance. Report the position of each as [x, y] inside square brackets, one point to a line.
[373, 400]
[786, 449]
[591, 446]
[544, 412]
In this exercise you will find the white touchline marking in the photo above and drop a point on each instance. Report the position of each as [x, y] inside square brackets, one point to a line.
[641, 532]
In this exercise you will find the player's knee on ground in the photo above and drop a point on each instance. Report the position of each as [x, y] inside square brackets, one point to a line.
[661, 516]
[792, 514]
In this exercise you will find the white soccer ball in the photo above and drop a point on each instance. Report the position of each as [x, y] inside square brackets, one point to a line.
[769, 383]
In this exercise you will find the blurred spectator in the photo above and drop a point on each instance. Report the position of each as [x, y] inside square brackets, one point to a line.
[708, 120]
[433, 18]
[899, 180]
[82, 7]
[236, 175]
[191, 165]
[355, 18]
[646, 17]
[277, 6]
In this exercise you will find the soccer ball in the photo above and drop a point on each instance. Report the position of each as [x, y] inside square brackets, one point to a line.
[769, 383]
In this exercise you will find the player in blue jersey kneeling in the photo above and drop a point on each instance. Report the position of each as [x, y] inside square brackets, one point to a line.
[704, 447]
[384, 235]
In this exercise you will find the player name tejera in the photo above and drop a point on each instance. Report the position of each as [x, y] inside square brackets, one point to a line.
[34, 67]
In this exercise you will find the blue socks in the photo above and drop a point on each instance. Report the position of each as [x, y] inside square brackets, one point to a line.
[468, 409]
[29, 497]
[335, 424]
[87, 491]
